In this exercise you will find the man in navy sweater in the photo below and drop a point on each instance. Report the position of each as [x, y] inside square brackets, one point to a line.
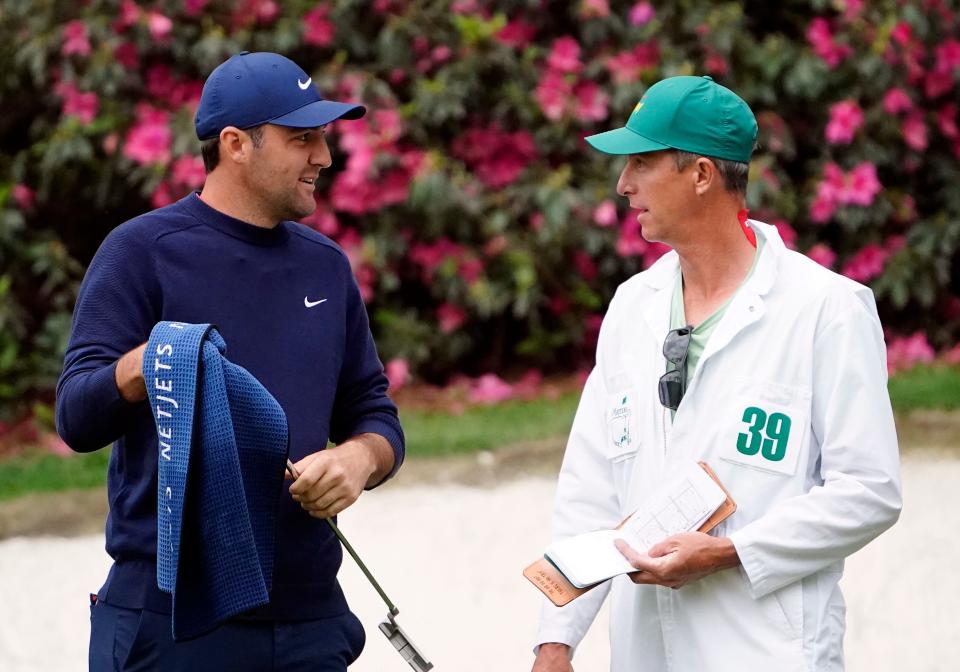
[286, 302]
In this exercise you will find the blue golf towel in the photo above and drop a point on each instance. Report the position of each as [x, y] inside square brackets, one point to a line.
[222, 453]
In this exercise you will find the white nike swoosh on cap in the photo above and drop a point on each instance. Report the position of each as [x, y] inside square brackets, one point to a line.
[303, 85]
[311, 304]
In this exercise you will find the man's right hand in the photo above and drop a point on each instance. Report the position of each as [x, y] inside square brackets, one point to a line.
[553, 657]
[129, 375]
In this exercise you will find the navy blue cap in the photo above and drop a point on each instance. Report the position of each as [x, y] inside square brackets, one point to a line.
[250, 89]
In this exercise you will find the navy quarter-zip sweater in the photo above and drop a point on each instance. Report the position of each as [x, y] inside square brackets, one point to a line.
[286, 303]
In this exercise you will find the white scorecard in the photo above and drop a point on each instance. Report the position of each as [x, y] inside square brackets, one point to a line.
[681, 504]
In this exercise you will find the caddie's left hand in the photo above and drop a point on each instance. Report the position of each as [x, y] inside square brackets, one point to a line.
[332, 479]
[680, 559]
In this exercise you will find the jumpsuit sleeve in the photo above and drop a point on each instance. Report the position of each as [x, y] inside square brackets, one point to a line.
[586, 500]
[852, 421]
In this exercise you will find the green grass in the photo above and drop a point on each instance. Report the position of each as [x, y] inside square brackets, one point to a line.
[50, 473]
[439, 434]
[487, 427]
[428, 435]
[926, 387]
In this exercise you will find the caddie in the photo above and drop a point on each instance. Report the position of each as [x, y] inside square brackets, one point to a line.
[733, 350]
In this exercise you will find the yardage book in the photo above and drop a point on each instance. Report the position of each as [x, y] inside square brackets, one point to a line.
[692, 498]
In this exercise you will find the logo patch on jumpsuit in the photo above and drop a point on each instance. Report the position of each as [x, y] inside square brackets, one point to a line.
[620, 424]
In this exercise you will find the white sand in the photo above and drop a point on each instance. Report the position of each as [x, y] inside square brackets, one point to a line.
[451, 556]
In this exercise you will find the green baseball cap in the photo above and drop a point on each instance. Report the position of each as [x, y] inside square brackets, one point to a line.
[692, 114]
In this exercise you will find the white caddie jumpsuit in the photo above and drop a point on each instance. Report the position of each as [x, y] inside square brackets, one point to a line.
[789, 406]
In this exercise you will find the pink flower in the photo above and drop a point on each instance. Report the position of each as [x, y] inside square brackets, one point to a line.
[862, 185]
[896, 101]
[441, 53]
[715, 63]
[951, 356]
[605, 214]
[823, 255]
[162, 196]
[915, 131]
[129, 14]
[496, 157]
[23, 196]
[553, 93]
[948, 55]
[591, 102]
[846, 118]
[186, 93]
[318, 29]
[822, 209]
[598, 9]
[830, 193]
[194, 7]
[631, 242]
[148, 140]
[126, 55]
[266, 11]
[496, 245]
[55, 445]
[902, 33]
[947, 121]
[937, 82]
[517, 34]
[894, 244]
[528, 387]
[565, 55]
[641, 13]
[787, 233]
[653, 252]
[866, 264]
[323, 220]
[82, 106]
[558, 304]
[75, 39]
[431, 256]
[627, 67]
[851, 9]
[450, 317]
[397, 371]
[821, 39]
[188, 171]
[904, 353]
[584, 265]
[470, 269]
[858, 187]
[160, 81]
[110, 143]
[490, 389]
[159, 26]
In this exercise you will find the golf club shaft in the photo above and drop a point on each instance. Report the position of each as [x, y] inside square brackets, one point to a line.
[353, 554]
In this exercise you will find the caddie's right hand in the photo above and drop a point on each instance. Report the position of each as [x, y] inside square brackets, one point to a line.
[553, 657]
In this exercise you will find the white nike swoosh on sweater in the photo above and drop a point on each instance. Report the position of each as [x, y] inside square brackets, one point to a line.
[311, 304]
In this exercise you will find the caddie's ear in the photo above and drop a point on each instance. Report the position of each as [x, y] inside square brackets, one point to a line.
[235, 145]
[704, 175]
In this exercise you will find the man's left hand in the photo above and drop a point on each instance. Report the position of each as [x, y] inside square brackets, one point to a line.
[332, 479]
[680, 559]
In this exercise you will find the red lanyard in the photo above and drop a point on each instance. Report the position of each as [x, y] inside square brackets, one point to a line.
[747, 231]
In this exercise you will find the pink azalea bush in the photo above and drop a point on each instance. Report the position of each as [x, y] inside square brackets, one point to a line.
[484, 234]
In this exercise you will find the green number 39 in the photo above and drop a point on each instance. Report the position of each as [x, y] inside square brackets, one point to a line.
[766, 435]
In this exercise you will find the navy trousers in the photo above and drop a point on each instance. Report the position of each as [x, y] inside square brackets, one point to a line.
[138, 639]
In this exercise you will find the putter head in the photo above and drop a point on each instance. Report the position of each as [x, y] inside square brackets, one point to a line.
[392, 630]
